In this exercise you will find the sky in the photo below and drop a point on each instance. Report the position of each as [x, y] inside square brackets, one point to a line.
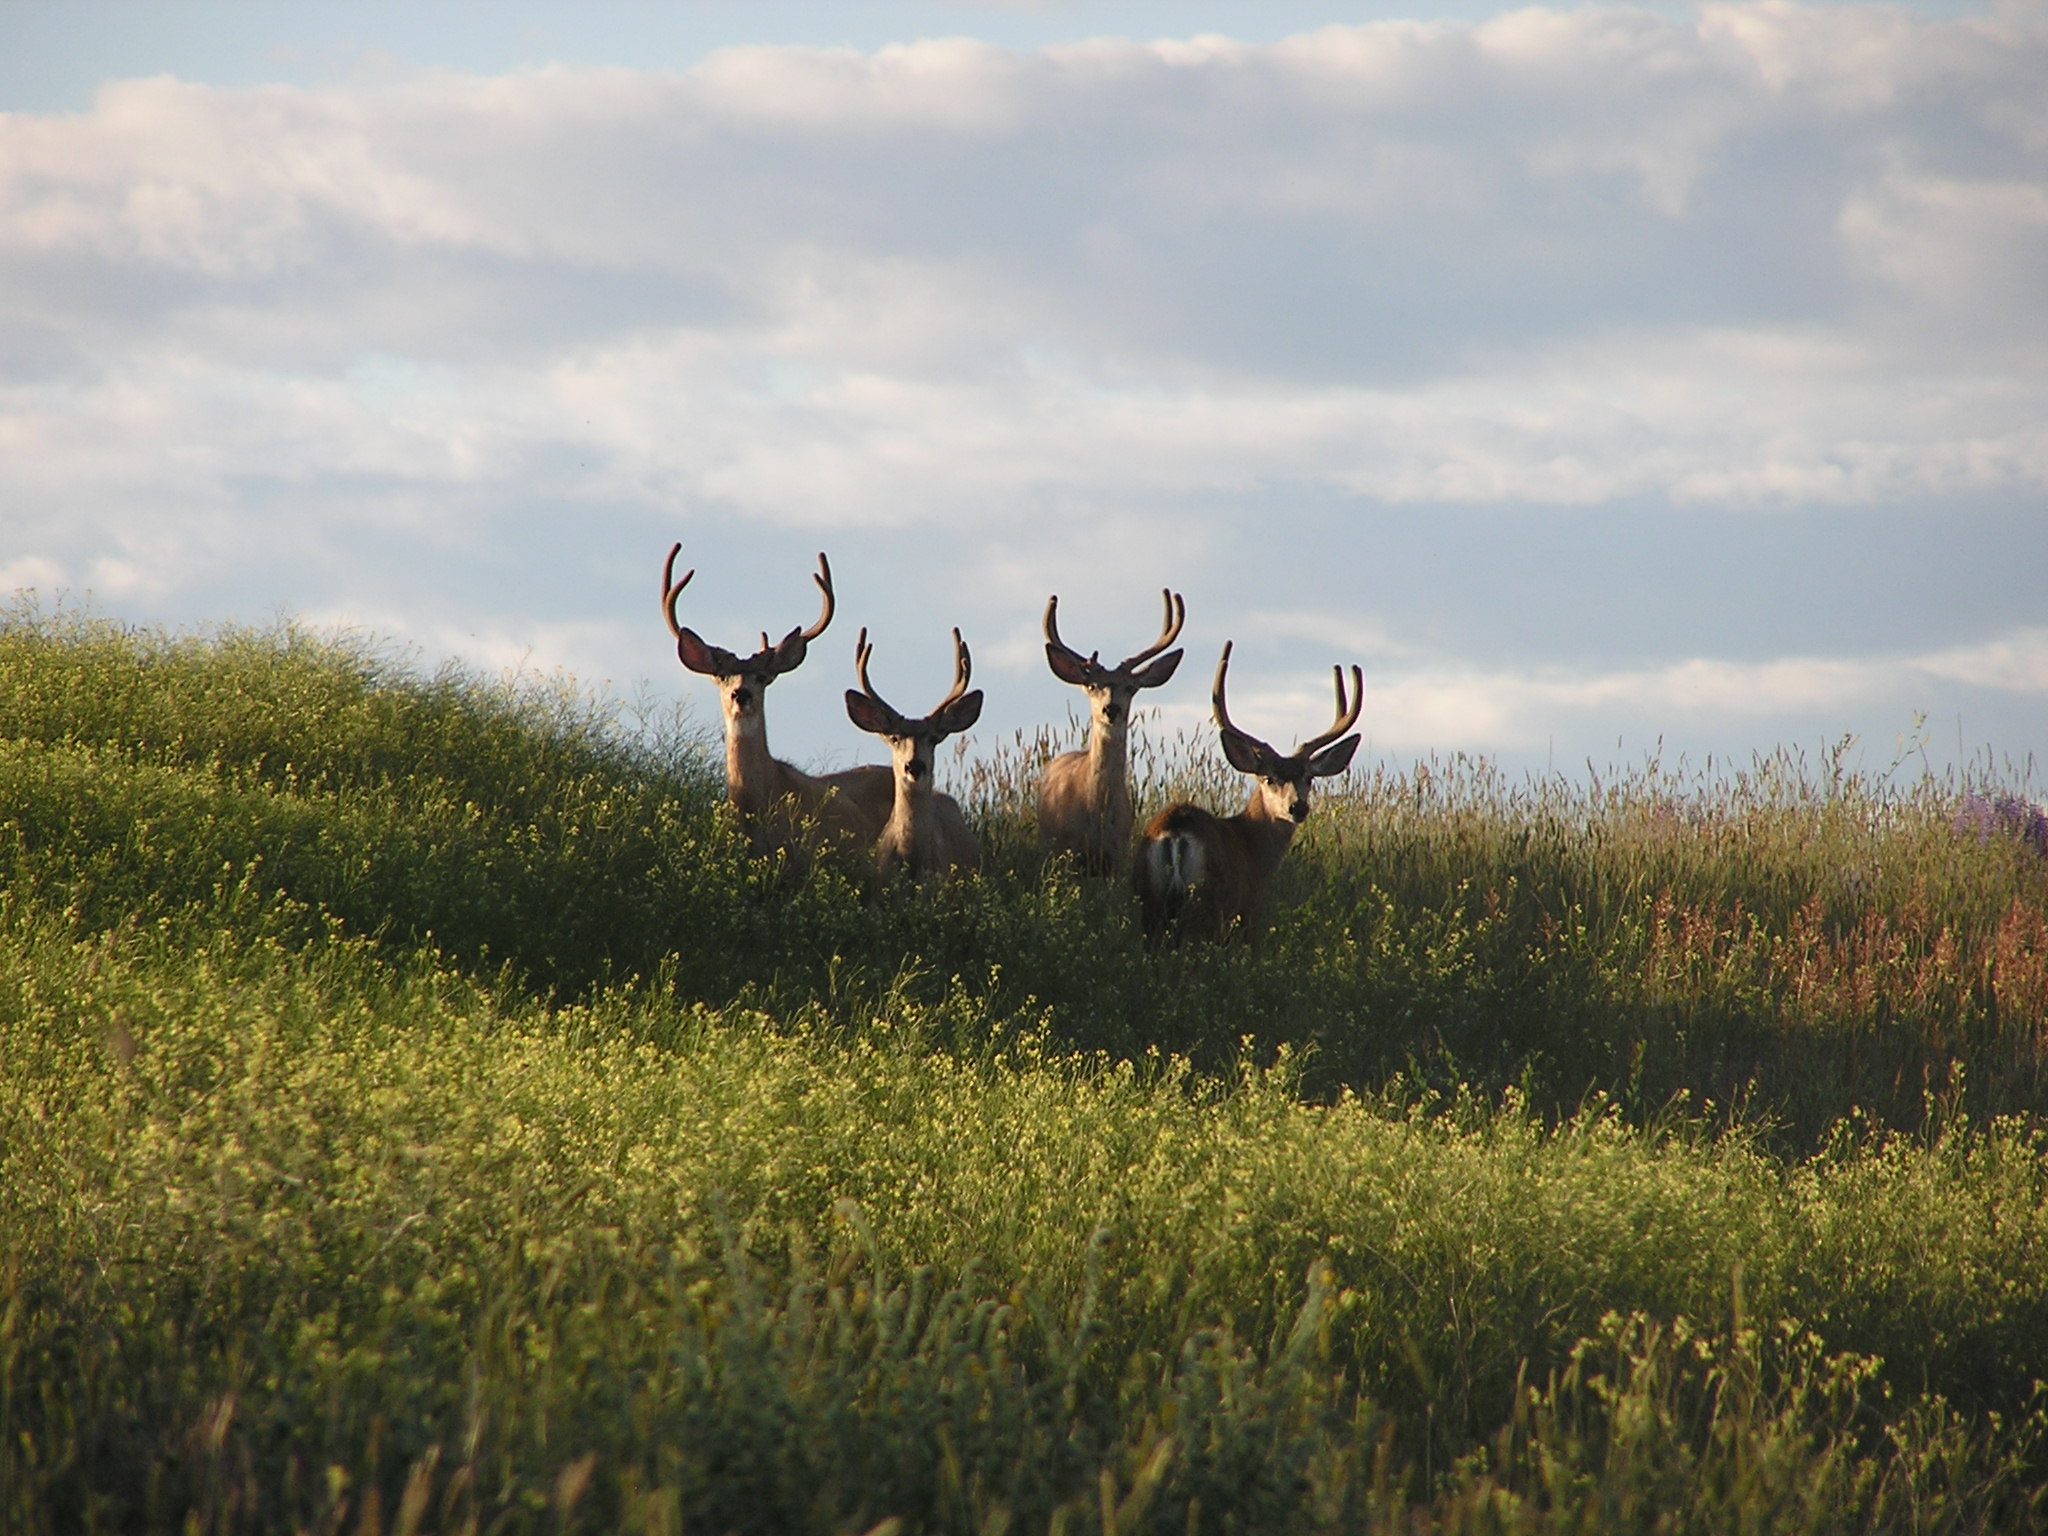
[1607, 382]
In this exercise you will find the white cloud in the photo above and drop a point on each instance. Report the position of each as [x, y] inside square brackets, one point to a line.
[945, 270]
[2014, 663]
[949, 85]
[32, 571]
[585, 650]
[1445, 708]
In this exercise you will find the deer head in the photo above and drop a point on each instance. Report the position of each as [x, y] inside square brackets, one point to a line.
[1282, 783]
[913, 741]
[1111, 689]
[741, 679]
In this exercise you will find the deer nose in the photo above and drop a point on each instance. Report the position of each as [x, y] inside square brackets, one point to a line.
[1113, 713]
[742, 697]
[918, 768]
[1298, 810]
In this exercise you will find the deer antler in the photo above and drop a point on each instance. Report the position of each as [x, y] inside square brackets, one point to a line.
[1216, 698]
[1347, 713]
[671, 589]
[862, 651]
[898, 723]
[790, 653]
[824, 581]
[772, 659]
[1176, 615]
[963, 668]
[1052, 636]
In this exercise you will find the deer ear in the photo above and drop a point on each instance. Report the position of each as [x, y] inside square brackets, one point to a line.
[693, 653]
[789, 655]
[959, 715]
[867, 714]
[1247, 754]
[1332, 759]
[1066, 666]
[1153, 673]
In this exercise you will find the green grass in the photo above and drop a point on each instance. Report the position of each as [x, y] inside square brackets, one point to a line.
[419, 1113]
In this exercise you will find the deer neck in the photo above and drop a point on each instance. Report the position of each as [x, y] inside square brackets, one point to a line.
[1109, 778]
[754, 780]
[912, 834]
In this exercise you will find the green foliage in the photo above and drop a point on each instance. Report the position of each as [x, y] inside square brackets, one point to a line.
[419, 1112]
[1794, 944]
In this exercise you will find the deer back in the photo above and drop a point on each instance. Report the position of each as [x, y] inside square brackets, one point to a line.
[1203, 877]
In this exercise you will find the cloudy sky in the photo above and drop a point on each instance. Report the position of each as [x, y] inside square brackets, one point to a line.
[1591, 376]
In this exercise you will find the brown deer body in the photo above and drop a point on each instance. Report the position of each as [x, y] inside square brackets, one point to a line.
[1201, 876]
[925, 833]
[776, 802]
[1084, 798]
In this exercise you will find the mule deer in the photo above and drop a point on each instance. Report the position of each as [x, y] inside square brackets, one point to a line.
[1084, 799]
[925, 833]
[1202, 876]
[773, 799]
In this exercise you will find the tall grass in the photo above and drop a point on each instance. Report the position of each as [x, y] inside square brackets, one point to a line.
[1796, 941]
[285, 1211]
[419, 1112]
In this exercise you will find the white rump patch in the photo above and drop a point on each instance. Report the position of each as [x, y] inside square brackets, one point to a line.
[1174, 864]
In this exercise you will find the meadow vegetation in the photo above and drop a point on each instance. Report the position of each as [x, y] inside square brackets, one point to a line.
[419, 1112]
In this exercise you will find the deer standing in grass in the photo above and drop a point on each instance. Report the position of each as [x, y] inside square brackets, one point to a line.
[925, 833]
[1084, 799]
[773, 799]
[1203, 876]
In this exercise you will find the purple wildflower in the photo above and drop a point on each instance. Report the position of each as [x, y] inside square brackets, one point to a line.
[2004, 814]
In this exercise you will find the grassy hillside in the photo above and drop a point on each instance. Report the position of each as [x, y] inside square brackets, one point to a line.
[419, 1113]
